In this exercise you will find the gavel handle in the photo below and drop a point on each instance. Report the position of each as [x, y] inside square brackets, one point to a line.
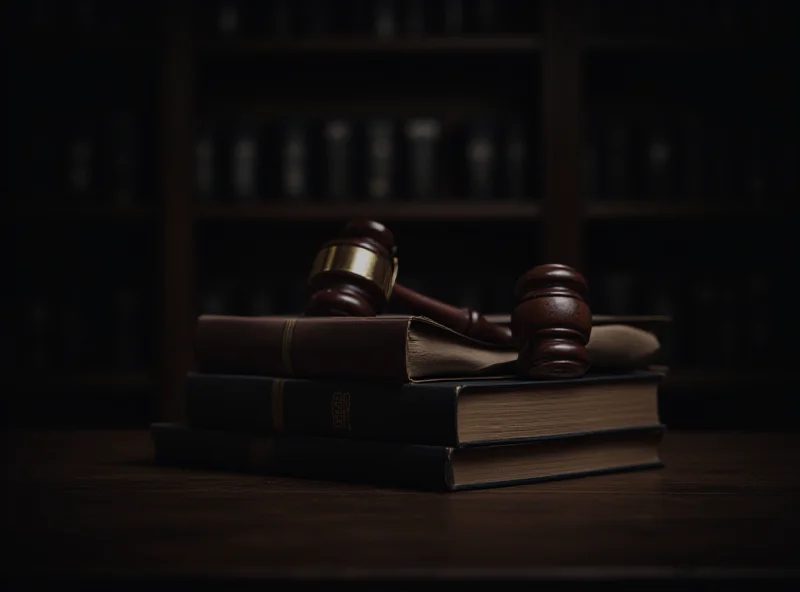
[463, 320]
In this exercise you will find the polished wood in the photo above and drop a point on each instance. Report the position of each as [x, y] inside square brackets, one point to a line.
[334, 293]
[633, 210]
[115, 214]
[444, 211]
[466, 321]
[457, 211]
[551, 322]
[92, 503]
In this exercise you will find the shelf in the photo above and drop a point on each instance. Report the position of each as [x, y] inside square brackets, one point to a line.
[441, 211]
[107, 381]
[84, 214]
[599, 319]
[44, 43]
[371, 45]
[706, 44]
[644, 210]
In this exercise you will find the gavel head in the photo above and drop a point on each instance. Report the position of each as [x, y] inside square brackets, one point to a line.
[551, 322]
[354, 274]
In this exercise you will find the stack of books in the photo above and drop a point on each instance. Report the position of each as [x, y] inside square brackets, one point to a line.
[403, 401]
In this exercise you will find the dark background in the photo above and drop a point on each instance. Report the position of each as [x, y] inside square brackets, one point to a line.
[660, 158]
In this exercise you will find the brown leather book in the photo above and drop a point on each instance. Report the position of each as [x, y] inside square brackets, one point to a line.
[392, 348]
[382, 348]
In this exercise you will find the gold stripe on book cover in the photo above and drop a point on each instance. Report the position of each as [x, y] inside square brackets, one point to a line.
[286, 346]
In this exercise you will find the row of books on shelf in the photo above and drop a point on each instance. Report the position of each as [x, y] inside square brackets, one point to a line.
[390, 18]
[86, 158]
[91, 329]
[672, 153]
[82, 17]
[378, 18]
[679, 18]
[286, 18]
[668, 154]
[376, 159]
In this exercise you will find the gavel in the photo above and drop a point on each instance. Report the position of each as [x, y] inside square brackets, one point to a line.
[355, 275]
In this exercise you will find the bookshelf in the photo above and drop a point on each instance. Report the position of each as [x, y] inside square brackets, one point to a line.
[566, 72]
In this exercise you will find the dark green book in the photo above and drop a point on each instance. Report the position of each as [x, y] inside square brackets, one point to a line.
[401, 465]
[440, 413]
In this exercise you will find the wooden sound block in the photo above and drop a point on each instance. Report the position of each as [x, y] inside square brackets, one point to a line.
[551, 323]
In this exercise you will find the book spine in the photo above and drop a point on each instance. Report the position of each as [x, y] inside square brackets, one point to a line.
[481, 160]
[339, 159]
[280, 20]
[228, 17]
[295, 162]
[205, 166]
[423, 137]
[384, 18]
[330, 459]
[453, 17]
[418, 414]
[659, 158]
[517, 162]
[81, 162]
[618, 165]
[311, 348]
[380, 136]
[245, 158]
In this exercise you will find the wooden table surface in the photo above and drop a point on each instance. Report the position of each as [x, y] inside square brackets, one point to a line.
[92, 503]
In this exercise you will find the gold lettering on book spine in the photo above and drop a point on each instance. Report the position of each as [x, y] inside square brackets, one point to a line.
[340, 410]
[286, 346]
[276, 402]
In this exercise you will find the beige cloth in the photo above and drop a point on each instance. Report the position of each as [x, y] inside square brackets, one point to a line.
[621, 347]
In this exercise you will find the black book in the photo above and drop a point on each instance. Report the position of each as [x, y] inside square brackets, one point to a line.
[516, 160]
[207, 164]
[81, 158]
[437, 468]
[246, 156]
[381, 159]
[295, 153]
[481, 156]
[442, 413]
[277, 19]
[418, 18]
[339, 140]
[658, 157]
[228, 18]
[383, 21]
[617, 156]
[423, 138]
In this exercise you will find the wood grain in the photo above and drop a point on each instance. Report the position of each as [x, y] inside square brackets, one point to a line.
[92, 504]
